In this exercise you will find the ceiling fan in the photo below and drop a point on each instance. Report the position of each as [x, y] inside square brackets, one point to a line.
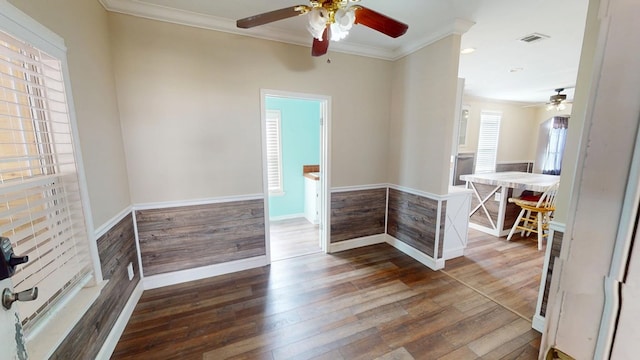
[557, 101]
[330, 20]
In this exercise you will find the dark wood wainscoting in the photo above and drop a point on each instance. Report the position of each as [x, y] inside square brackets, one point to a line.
[516, 166]
[511, 212]
[117, 248]
[188, 237]
[493, 207]
[412, 219]
[556, 246]
[356, 214]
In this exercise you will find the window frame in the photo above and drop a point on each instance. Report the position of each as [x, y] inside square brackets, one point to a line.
[274, 116]
[463, 125]
[484, 165]
[19, 25]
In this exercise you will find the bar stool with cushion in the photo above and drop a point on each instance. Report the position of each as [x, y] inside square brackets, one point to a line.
[535, 215]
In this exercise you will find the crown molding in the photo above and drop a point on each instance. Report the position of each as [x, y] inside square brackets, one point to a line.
[473, 98]
[189, 18]
[456, 27]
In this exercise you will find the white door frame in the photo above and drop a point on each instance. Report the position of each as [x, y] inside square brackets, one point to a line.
[325, 156]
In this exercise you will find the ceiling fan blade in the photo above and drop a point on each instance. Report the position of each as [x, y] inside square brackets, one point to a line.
[272, 16]
[379, 22]
[320, 48]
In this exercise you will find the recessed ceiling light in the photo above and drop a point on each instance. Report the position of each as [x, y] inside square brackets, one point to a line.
[466, 51]
[515, 69]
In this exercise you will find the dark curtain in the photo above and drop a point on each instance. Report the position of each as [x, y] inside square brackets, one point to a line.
[555, 146]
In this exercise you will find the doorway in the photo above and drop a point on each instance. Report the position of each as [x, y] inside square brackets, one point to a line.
[295, 148]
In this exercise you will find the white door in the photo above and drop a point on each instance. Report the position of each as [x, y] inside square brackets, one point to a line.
[627, 333]
[11, 339]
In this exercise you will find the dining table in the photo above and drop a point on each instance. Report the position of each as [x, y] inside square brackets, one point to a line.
[490, 210]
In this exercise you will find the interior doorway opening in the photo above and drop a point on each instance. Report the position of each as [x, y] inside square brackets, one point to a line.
[295, 172]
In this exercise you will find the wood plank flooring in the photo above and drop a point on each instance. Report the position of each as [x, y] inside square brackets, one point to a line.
[368, 303]
[506, 271]
[293, 237]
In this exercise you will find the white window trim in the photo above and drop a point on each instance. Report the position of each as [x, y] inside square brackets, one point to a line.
[482, 165]
[275, 116]
[45, 341]
[463, 126]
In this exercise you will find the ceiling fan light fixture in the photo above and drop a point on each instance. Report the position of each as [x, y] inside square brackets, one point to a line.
[343, 22]
[345, 18]
[329, 20]
[318, 18]
[557, 107]
[337, 33]
[557, 101]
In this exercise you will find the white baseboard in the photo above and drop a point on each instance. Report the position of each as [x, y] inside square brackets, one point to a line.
[488, 230]
[426, 260]
[538, 323]
[286, 217]
[177, 277]
[453, 253]
[118, 328]
[357, 243]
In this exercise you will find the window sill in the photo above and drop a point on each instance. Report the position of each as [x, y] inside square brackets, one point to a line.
[276, 193]
[45, 337]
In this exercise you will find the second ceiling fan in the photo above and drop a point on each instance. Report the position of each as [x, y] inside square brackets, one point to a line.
[330, 20]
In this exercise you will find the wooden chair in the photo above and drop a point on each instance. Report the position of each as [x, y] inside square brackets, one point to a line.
[535, 215]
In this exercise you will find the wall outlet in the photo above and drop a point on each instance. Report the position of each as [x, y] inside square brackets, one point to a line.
[497, 196]
[130, 271]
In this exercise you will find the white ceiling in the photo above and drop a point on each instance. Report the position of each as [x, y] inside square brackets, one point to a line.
[494, 27]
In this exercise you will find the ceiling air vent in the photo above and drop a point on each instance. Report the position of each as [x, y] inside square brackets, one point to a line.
[535, 37]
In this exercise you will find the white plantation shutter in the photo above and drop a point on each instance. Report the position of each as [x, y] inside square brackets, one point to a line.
[40, 206]
[274, 152]
[488, 141]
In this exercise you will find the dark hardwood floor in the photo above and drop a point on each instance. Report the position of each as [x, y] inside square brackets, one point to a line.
[368, 303]
[293, 237]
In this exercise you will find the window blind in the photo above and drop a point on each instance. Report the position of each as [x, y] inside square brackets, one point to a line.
[40, 206]
[274, 151]
[488, 141]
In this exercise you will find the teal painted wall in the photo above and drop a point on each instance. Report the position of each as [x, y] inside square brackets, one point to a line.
[300, 126]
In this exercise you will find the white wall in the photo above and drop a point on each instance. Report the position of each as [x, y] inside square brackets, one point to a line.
[83, 25]
[190, 107]
[423, 111]
[518, 129]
